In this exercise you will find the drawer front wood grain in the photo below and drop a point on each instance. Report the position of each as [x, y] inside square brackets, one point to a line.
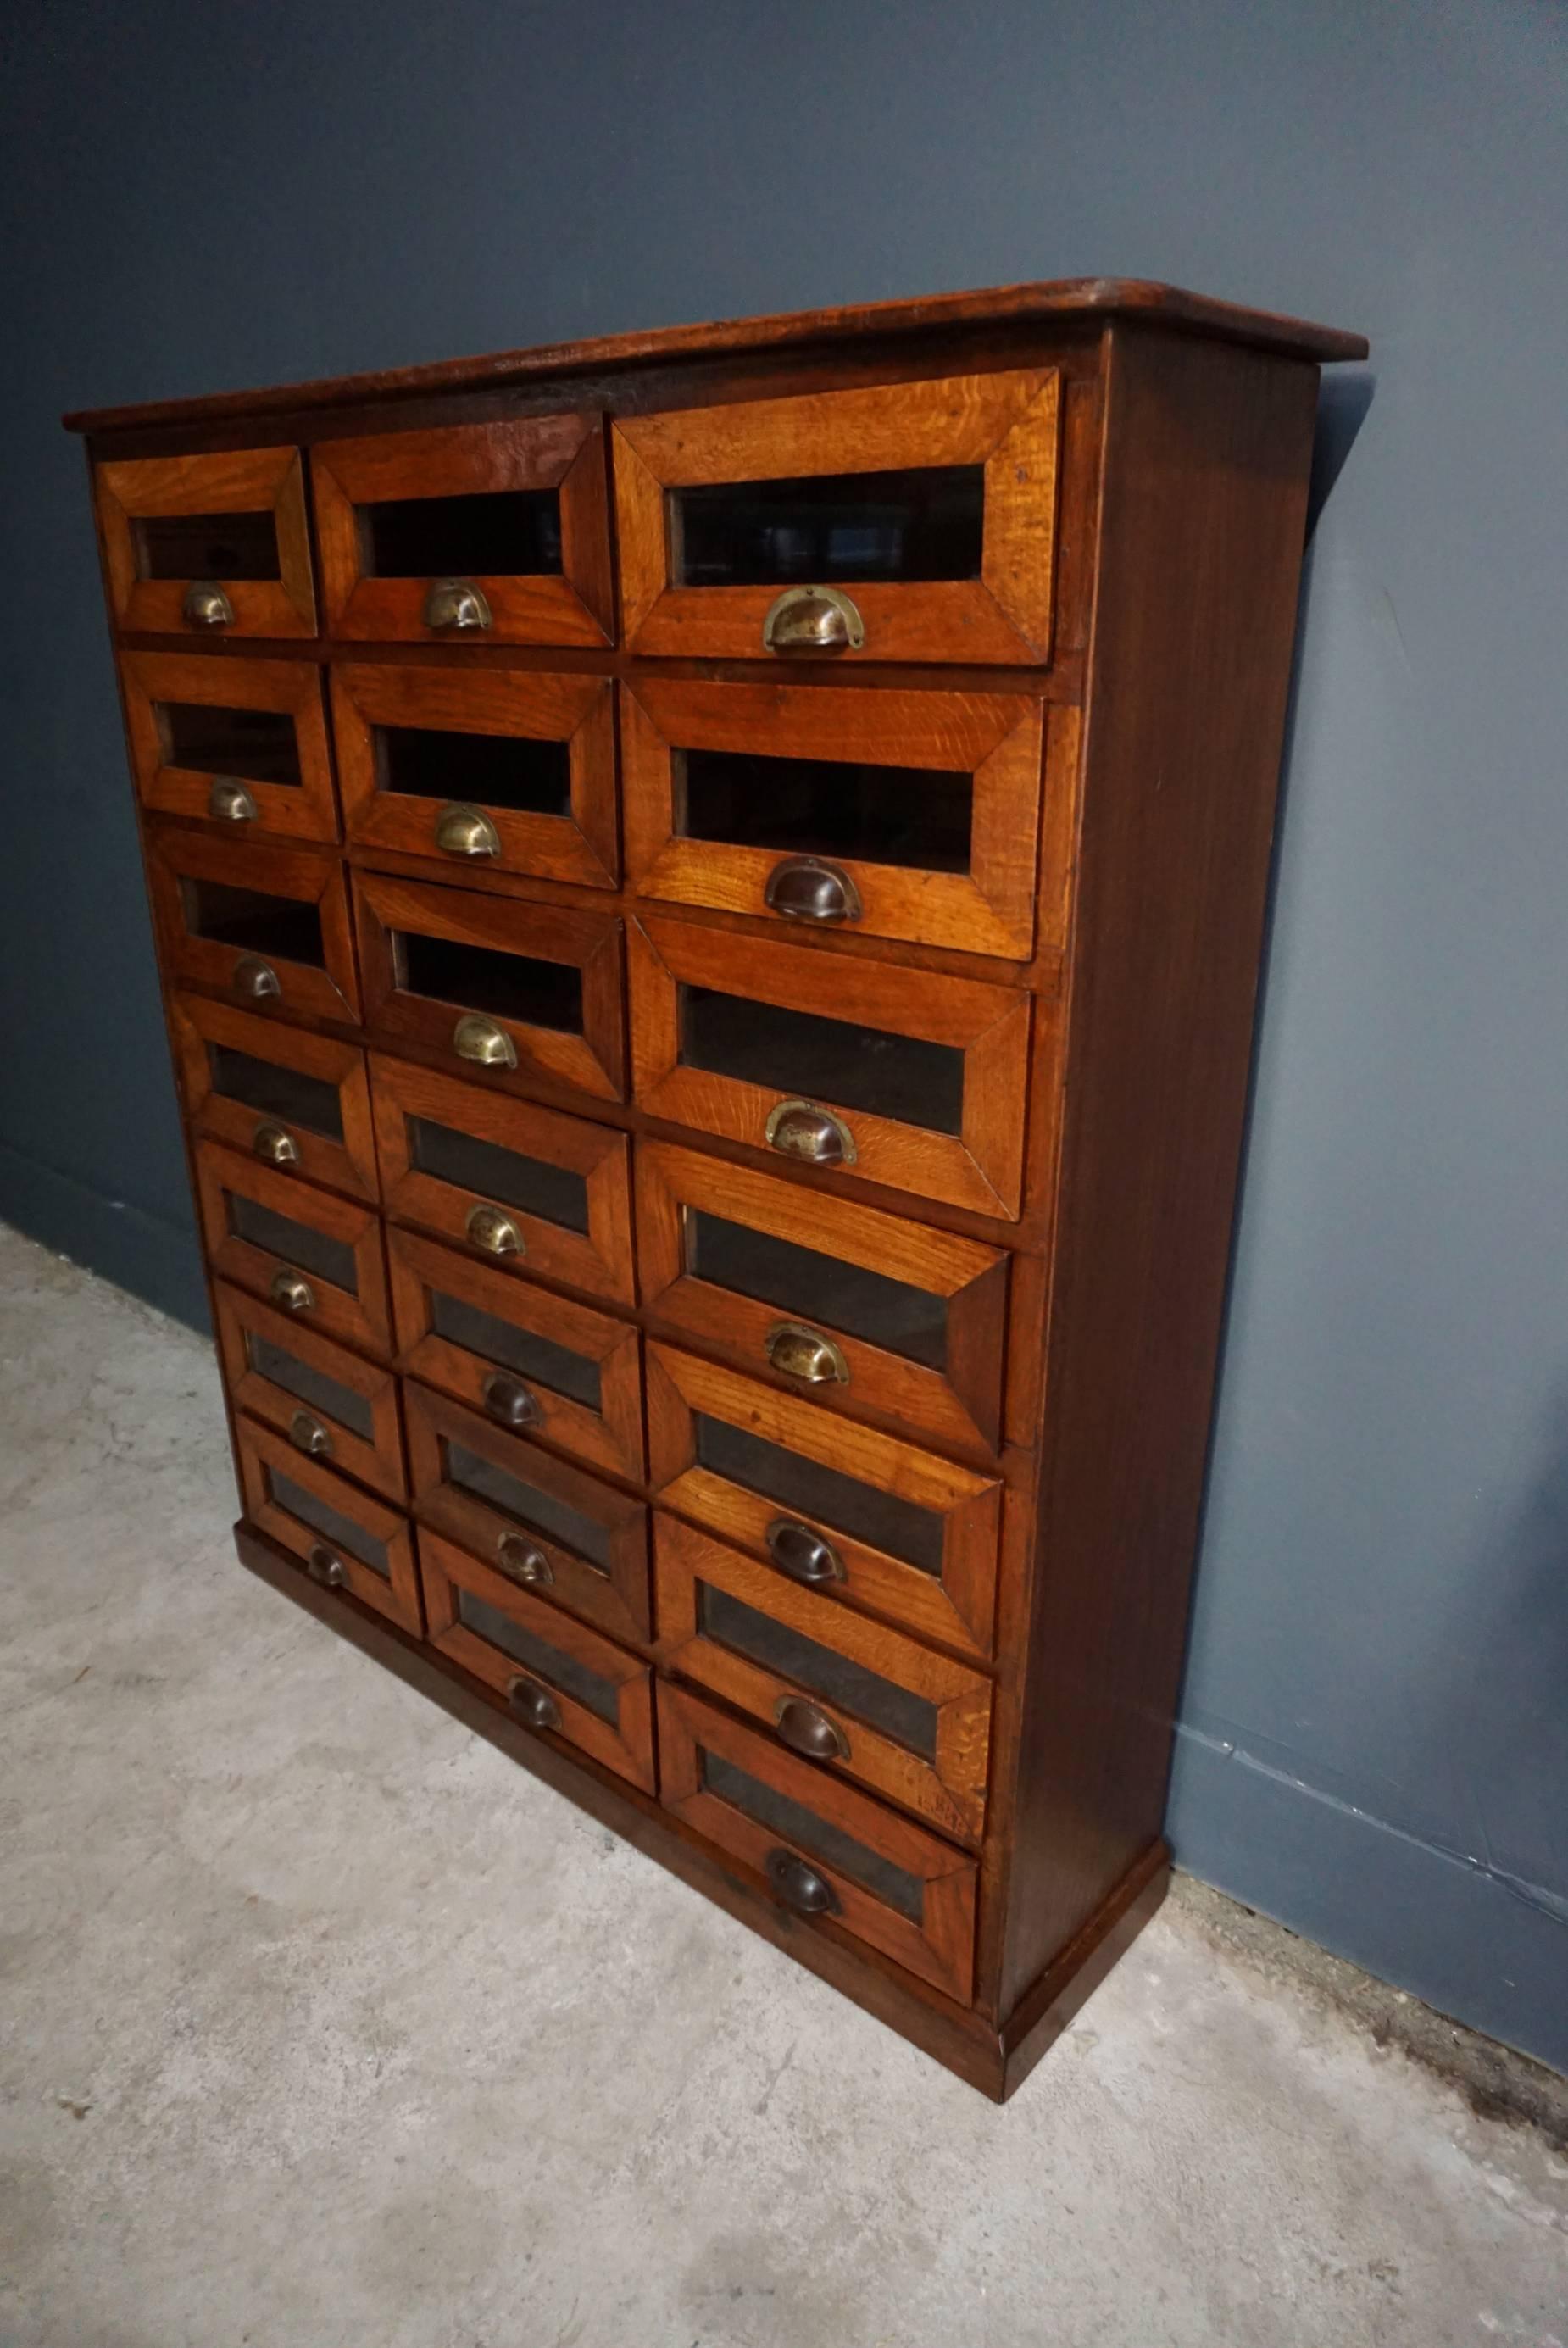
[240, 742]
[296, 1101]
[345, 1538]
[175, 526]
[316, 1256]
[333, 1405]
[266, 926]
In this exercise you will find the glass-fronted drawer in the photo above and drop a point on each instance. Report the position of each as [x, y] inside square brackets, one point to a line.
[557, 1675]
[474, 534]
[533, 1361]
[902, 1077]
[208, 546]
[317, 1257]
[894, 815]
[505, 770]
[546, 1525]
[296, 1101]
[266, 925]
[912, 522]
[332, 1404]
[834, 1506]
[239, 741]
[825, 1852]
[345, 1538]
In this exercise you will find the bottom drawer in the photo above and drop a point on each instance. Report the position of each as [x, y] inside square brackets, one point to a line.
[825, 1849]
[556, 1673]
[348, 1541]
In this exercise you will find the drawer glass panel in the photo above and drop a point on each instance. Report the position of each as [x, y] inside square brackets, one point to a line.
[900, 1077]
[554, 1193]
[533, 1357]
[308, 1385]
[794, 1824]
[535, 1654]
[207, 546]
[848, 1686]
[807, 1286]
[900, 1527]
[286, 928]
[510, 986]
[259, 745]
[821, 806]
[925, 523]
[542, 1512]
[300, 1244]
[276, 1091]
[495, 533]
[499, 770]
[343, 1532]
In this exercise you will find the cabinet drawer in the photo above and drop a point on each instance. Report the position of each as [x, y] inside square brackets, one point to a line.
[483, 533]
[502, 986]
[533, 1361]
[905, 1077]
[296, 1101]
[347, 1539]
[331, 1405]
[536, 1190]
[557, 1675]
[315, 1256]
[896, 815]
[268, 925]
[925, 510]
[840, 1507]
[241, 742]
[870, 1312]
[513, 770]
[827, 1852]
[864, 1700]
[208, 545]
[542, 1523]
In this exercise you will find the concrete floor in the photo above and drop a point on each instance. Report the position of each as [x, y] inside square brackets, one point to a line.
[322, 2026]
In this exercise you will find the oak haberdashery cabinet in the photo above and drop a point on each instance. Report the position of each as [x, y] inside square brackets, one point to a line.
[709, 888]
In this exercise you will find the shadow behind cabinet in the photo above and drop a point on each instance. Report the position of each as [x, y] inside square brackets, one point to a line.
[708, 888]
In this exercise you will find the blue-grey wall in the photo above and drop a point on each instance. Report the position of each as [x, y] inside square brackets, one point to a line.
[1376, 1737]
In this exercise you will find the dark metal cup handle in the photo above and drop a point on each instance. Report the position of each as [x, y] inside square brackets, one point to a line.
[510, 1404]
[799, 1885]
[323, 1567]
[533, 1704]
[801, 1553]
[810, 889]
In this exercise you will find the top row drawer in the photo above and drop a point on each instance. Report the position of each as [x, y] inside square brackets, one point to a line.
[900, 522]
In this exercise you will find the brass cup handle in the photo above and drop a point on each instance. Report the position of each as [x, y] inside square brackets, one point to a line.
[307, 1434]
[292, 1291]
[230, 802]
[798, 1128]
[205, 605]
[810, 889]
[806, 1728]
[256, 978]
[456, 606]
[496, 1234]
[509, 1403]
[812, 620]
[481, 1040]
[801, 1553]
[323, 1567]
[799, 1885]
[805, 1354]
[463, 831]
[275, 1144]
[533, 1704]
[525, 1560]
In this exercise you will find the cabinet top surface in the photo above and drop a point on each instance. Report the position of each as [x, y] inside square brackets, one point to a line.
[1058, 300]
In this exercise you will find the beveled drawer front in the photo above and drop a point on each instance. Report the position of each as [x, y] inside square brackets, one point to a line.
[827, 1852]
[912, 522]
[905, 1077]
[557, 1675]
[509, 772]
[266, 925]
[347, 1539]
[545, 1524]
[840, 1507]
[296, 1101]
[534, 1362]
[530, 1190]
[242, 742]
[479, 534]
[330, 1403]
[912, 1726]
[315, 1256]
[208, 545]
[501, 986]
[894, 815]
[866, 1311]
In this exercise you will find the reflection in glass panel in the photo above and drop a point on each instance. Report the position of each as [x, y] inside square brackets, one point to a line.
[909, 816]
[799, 1282]
[836, 1060]
[497, 534]
[477, 978]
[532, 1356]
[554, 1193]
[801, 1827]
[870, 527]
[498, 770]
[551, 1662]
[281, 929]
[328, 1396]
[557, 1520]
[206, 546]
[848, 1686]
[299, 1244]
[258, 745]
[821, 1495]
[276, 1091]
[343, 1532]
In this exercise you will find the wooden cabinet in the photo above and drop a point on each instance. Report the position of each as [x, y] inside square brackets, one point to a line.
[711, 923]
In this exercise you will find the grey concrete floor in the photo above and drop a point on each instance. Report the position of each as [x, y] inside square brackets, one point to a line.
[323, 2024]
